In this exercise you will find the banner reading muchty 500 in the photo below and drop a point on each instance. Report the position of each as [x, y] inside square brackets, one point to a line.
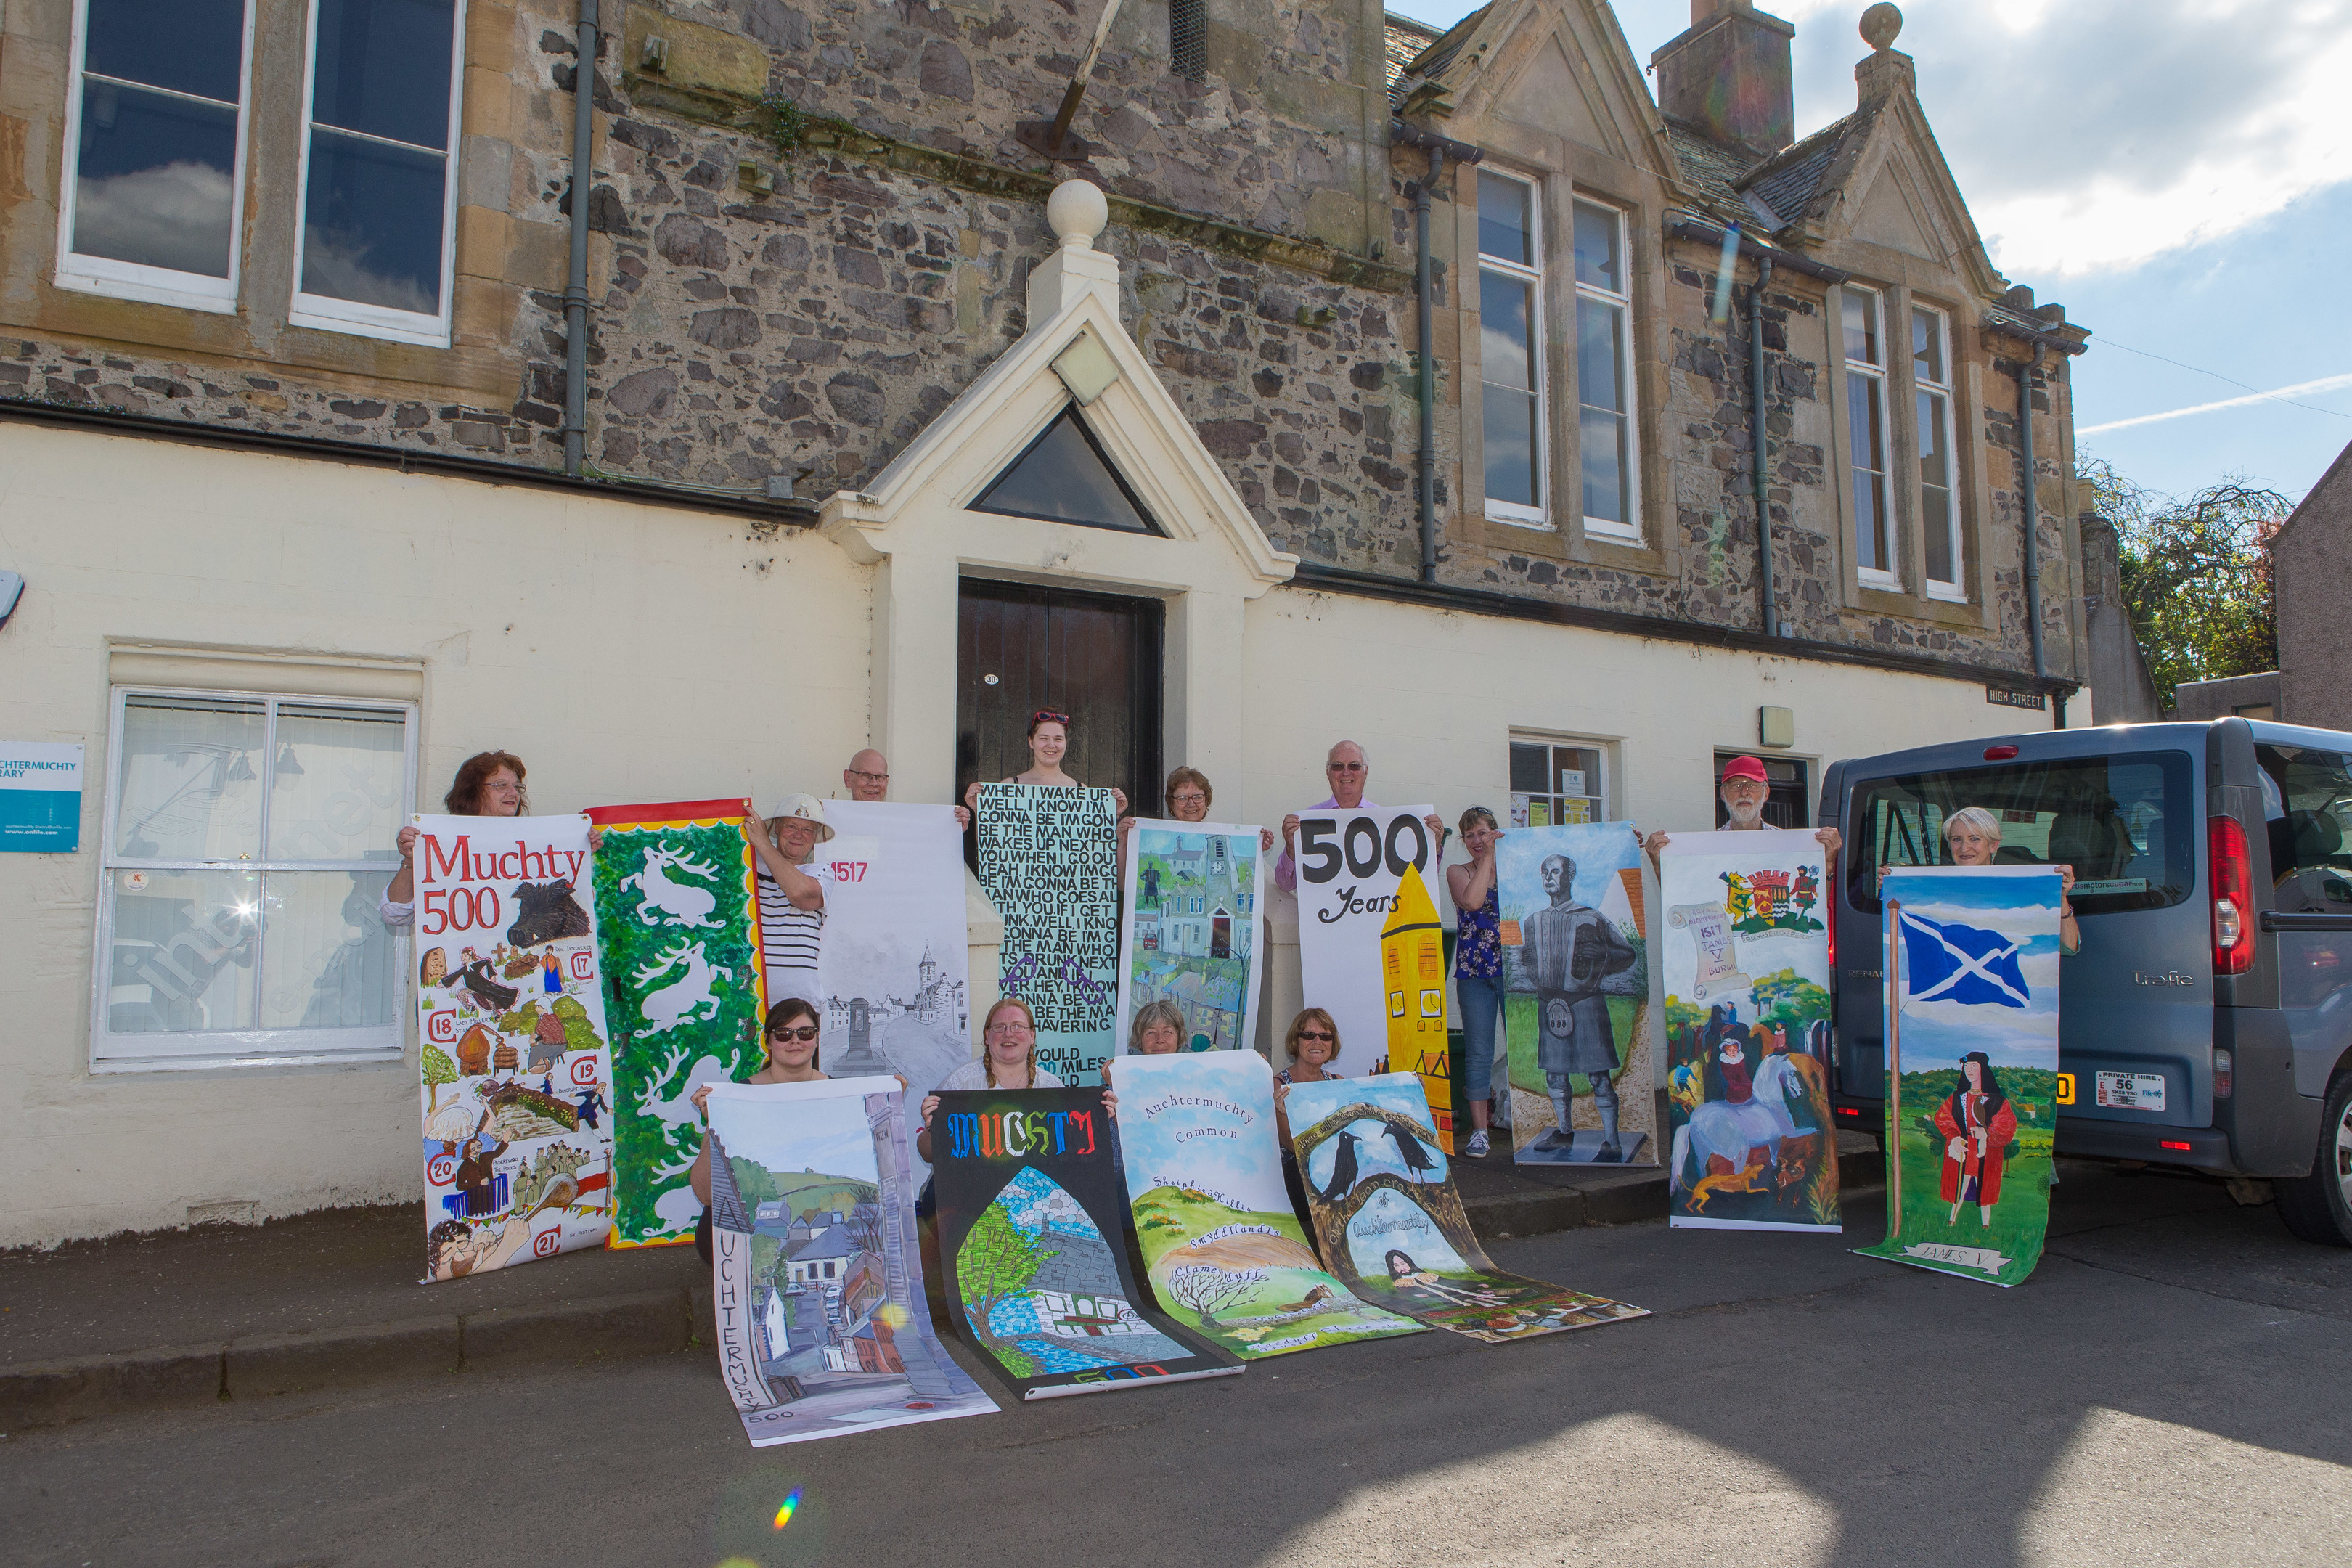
[1744, 953]
[1191, 936]
[511, 1013]
[1049, 861]
[678, 923]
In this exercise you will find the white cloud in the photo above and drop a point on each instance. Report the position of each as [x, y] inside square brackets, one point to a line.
[335, 265]
[174, 215]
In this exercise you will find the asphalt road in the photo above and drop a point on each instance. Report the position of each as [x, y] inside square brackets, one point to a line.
[2171, 1386]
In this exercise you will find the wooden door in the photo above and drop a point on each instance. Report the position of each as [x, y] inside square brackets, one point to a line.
[1091, 656]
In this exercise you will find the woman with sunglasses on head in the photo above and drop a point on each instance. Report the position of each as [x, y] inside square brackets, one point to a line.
[489, 783]
[1312, 1045]
[1049, 743]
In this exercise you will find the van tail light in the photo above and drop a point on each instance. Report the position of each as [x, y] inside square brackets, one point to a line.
[2000, 753]
[2225, 1072]
[2232, 878]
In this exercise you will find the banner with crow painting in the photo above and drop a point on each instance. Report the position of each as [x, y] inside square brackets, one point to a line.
[516, 1073]
[1391, 1226]
[678, 921]
[1973, 964]
[1222, 1248]
[816, 1276]
[1742, 946]
[1033, 1235]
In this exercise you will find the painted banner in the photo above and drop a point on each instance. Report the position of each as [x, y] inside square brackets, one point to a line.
[1224, 1252]
[1049, 860]
[1353, 869]
[1576, 995]
[1391, 1226]
[1033, 1227]
[1971, 1067]
[678, 924]
[817, 1275]
[1745, 962]
[1190, 935]
[895, 963]
[516, 1072]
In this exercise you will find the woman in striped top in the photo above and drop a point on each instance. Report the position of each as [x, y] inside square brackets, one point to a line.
[792, 902]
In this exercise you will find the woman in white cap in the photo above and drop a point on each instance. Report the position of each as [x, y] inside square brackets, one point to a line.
[792, 902]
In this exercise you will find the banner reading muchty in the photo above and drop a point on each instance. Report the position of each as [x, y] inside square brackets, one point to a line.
[1191, 936]
[510, 1020]
[1049, 861]
[1972, 965]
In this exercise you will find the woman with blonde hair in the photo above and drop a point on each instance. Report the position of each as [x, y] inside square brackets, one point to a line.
[1007, 1059]
[1158, 1029]
[1312, 1043]
[1972, 833]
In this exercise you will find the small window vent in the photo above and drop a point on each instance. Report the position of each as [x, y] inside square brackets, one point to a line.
[1188, 38]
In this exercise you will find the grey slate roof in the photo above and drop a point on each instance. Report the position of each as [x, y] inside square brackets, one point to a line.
[1418, 52]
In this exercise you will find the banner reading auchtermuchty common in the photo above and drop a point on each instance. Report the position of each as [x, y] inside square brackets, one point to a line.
[1577, 994]
[1049, 861]
[1032, 1227]
[1971, 1067]
[678, 924]
[1391, 1224]
[816, 1277]
[1351, 866]
[1191, 933]
[1746, 968]
[1205, 1182]
[895, 962]
[510, 1021]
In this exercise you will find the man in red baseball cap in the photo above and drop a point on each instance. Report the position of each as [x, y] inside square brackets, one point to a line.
[1744, 788]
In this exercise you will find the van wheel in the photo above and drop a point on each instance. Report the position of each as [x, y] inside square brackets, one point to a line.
[2318, 1208]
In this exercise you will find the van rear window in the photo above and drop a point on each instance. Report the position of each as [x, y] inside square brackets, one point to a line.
[2127, 825]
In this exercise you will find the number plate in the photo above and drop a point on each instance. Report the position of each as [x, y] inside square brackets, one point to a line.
[2131, 1091]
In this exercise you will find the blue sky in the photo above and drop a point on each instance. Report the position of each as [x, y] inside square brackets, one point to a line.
[2177, 173]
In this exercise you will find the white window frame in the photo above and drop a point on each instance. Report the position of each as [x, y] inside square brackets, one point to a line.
[132, 280]
[153, 1052]
[1870, 576]
[1943, 392]
[1601, 527]
[1602, 750]
[1538, 515]
[348, 315]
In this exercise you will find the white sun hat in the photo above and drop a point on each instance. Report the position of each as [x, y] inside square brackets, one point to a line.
[807, 807]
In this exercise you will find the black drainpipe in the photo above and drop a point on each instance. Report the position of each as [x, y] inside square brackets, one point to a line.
[1438, 148]
[1757, 437]
[576, 285]
[2032, 508]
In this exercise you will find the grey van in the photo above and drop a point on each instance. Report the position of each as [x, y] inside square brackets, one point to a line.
[2207, 1020]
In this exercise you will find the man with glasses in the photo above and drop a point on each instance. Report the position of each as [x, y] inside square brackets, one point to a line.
[1348, 769]
[868, 778]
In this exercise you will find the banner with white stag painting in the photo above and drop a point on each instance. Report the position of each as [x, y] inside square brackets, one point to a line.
[515, 1074]
[678, 923]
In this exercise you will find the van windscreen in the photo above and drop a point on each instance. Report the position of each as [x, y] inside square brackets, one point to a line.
[2128, 826]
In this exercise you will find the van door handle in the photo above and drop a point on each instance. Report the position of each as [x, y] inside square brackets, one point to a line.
[2275, 920]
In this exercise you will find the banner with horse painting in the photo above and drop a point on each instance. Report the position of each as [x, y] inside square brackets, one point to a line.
[816, 1276]
[1971, 1067]
[513, 1052]
[1743, 948]
[1576, 1001]
[1049, 861]
[1190, 935]
[1223, 1250]
[1391, 1227]
[678, 924]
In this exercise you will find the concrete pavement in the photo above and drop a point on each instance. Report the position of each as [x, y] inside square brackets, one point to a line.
[2169, 1387]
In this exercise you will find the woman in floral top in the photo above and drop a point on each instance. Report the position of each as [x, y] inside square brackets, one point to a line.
[1478, 962]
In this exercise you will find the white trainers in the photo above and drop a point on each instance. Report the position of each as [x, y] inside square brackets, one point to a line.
[1478, 1146]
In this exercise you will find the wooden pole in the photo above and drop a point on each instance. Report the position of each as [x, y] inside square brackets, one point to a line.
[1893, 1070]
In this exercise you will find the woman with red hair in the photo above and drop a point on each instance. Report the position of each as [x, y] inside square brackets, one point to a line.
[489, 783]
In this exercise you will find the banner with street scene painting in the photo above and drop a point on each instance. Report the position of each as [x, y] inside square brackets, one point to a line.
[1049, 861]
[1972, 966]
[1222, 1250]
[1391, 1226]
[895, 963]
[516, 1072]
[817, 1275]
[1743, 946]
[1190, 935]
[678, 924]
[1576, 1004]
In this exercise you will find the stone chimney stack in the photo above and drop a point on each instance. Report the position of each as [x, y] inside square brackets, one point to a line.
[1729, 76]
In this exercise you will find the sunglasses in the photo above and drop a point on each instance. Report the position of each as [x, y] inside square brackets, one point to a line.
[1048, 716]
[1343, 767]
[803, 1033]
[1305, 1034]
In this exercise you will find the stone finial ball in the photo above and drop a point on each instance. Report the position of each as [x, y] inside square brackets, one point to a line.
[1076, 211]
[1881, 25]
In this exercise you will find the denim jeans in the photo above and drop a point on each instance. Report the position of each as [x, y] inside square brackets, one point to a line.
[1481, 1010]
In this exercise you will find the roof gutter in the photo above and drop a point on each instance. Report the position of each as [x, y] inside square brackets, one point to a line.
[1439, 149]
[1711, 234]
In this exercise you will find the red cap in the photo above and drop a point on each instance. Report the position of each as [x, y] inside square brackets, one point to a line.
[1744, 768]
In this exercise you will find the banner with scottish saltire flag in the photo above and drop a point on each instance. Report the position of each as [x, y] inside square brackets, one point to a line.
[1971, 1067]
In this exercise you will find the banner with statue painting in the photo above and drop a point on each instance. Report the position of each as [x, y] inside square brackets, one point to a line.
[515, 1069]
[1743, 950]
[1049, 861]
[679, 927]
[1576, 1001]
[1191, 937]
